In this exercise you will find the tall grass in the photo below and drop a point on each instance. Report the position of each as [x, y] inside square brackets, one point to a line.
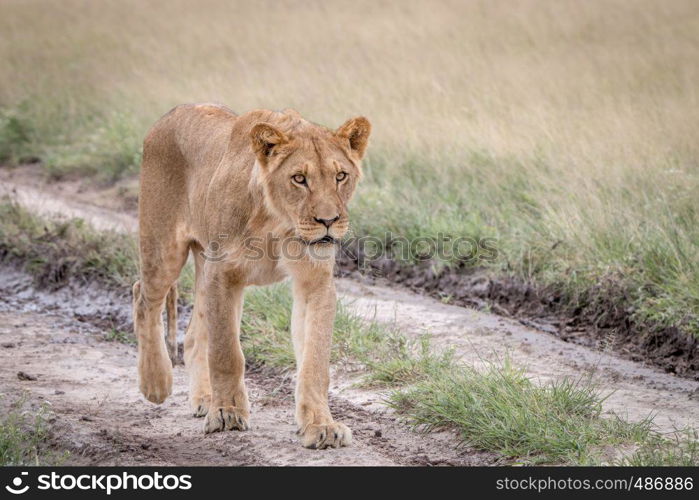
[565, 129]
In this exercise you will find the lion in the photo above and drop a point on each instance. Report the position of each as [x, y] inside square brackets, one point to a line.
[211, 183]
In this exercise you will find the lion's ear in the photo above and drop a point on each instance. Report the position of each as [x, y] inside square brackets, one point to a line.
[264, 139]
[356, 131]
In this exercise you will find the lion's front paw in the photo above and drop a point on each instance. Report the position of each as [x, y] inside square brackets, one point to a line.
[155, 377]
[320, 436]
[226, 419]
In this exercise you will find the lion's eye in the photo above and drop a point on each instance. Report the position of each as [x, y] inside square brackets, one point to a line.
[299, 179]
[341, 176]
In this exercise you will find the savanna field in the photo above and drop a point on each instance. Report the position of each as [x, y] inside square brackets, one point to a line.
[564, 131]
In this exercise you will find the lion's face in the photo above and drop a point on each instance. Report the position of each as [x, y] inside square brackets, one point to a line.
[309, 179]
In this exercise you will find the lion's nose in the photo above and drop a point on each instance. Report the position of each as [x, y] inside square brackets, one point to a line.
[327, 222]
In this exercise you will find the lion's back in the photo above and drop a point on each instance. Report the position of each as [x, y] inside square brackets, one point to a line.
[192, 133]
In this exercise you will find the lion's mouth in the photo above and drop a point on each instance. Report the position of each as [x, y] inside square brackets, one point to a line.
[325, 240]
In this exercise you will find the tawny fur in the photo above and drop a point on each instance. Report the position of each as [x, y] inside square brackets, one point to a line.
[226, 188]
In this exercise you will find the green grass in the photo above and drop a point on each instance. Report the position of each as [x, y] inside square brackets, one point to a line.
[636, 246]
[106, 150]
[266, 340]
[265, 328]
[115, 335]
[23, 435]
[497, 408]
[108, 153]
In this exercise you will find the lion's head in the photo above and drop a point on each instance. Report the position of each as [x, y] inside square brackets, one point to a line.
[309, 174]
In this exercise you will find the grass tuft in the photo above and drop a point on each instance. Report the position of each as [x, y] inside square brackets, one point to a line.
[680, 449]
[23, 436]
[15, 136]
[501, 409]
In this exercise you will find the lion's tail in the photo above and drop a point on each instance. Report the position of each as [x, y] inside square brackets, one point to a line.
[171, 336]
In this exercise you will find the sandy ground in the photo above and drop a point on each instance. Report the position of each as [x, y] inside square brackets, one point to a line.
[96, 412]
[92, 390]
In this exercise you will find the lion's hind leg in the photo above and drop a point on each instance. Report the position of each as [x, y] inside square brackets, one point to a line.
[171, 311]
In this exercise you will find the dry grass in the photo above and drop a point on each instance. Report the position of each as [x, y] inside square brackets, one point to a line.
[583, 84]
[558, 124]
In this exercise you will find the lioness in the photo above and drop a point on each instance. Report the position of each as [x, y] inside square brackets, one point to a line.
[255, 198]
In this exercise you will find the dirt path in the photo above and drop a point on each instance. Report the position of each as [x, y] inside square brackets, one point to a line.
[89, 386]
[66, 198]
[637, 390]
